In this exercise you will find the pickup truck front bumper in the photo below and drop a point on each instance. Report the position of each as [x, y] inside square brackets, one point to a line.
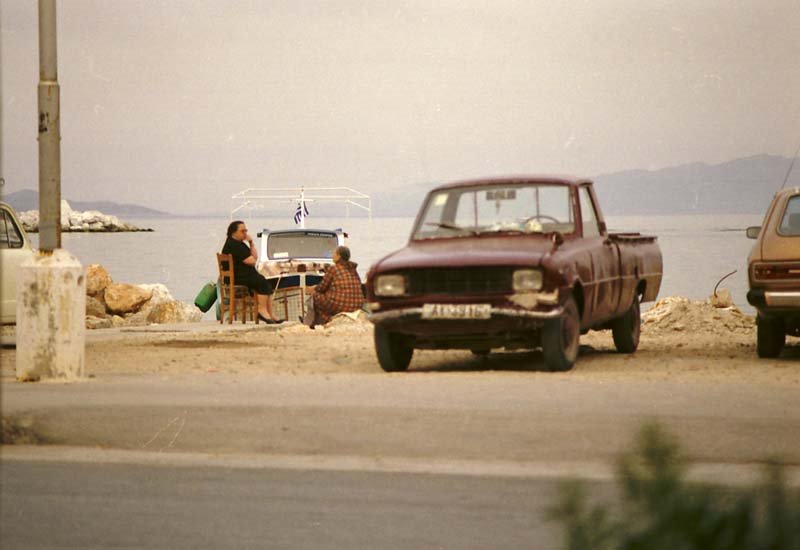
[504, 326]
[415, 314]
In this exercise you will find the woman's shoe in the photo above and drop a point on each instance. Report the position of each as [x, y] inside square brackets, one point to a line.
[270, 321]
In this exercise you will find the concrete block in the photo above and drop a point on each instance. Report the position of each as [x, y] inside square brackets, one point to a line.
[51, 325]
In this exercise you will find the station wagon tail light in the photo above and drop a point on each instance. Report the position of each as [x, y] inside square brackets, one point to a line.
[527, 279]
[390, 285]
[776, 271]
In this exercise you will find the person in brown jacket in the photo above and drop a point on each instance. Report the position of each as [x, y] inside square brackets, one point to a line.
[339, 291]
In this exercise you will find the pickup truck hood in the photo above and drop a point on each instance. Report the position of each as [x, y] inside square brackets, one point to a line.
[526, 250]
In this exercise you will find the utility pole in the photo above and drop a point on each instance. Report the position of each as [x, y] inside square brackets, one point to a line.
[49, 131]
[51, 287]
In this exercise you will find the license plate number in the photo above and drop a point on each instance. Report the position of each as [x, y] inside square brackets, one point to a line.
[456, 311]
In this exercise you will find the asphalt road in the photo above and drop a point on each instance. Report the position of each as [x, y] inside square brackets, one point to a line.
[478, 417]
[443, 460]
[82, 505]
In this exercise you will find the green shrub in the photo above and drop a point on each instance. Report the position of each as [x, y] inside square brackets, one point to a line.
[659, 509]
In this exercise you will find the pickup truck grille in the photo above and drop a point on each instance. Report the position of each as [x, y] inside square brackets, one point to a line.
[458, 280]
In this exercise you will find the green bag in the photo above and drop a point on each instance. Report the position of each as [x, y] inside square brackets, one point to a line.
[206, 298]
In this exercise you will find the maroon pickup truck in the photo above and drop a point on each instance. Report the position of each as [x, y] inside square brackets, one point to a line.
[511, 263]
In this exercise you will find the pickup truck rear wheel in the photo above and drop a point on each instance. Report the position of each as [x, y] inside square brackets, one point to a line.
[626, 329]
[560, 338]
[393, 350]
[770, 336]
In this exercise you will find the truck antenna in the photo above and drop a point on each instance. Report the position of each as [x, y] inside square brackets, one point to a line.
[789, 171]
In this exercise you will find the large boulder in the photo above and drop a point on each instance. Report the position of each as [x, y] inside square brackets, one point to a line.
[174, 312]
[94, 307]
[123, 298]
[98, 322]
[160, 293]
[29, 220]
[97, 279]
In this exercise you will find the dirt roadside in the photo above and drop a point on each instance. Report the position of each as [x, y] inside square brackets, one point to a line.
[681, 340]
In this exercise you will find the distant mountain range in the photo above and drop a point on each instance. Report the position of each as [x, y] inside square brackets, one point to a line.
[28, 199]
[741, 186]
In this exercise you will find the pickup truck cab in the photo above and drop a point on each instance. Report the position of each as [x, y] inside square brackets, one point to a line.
[15, 248]
[774, 273]
[519, 262]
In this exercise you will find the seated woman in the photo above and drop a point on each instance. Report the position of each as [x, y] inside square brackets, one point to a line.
[339, 290]
[241, 247]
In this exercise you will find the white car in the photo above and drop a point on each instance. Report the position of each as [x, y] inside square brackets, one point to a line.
[15, 248]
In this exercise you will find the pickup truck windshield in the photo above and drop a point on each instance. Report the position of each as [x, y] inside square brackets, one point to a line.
[517, 208]
[301, 244]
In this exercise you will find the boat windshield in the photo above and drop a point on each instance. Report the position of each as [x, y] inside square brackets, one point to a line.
[301, 244]
[515, 208]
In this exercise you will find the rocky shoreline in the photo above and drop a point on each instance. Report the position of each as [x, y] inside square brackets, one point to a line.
[73, 221]
[110, 304]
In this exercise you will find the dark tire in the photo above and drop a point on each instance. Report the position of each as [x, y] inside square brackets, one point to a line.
[560, 338]
[626, 329]
[480, 352]
[393, 350]
[770, 336]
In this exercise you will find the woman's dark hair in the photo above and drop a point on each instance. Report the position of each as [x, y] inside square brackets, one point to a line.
[344, 253]
[233, 227]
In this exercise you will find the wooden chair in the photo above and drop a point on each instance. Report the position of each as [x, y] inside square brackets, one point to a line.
[234, 299]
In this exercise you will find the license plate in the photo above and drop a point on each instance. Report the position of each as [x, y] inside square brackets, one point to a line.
[456, 311]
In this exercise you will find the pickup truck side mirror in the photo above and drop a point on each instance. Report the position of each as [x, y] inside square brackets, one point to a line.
[753, 231]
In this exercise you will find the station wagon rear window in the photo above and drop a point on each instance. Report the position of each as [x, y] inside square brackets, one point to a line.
[480, 209]
[301, 244]
[790, 223]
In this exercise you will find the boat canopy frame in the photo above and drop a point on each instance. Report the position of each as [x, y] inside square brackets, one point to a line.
[255, 198]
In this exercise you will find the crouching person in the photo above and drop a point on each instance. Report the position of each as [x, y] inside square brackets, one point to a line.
[339, 291]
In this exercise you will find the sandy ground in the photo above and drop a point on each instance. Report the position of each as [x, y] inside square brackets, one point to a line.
[680, 340]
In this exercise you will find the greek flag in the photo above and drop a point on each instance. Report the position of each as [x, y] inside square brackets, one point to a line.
[302, 211]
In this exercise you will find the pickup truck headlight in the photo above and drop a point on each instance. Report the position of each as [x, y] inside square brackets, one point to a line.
[390, 285]
[527, 279]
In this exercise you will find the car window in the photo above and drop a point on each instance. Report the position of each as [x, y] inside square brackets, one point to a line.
[589, 218]
[10, 237]
[301, 244]
[790, 223]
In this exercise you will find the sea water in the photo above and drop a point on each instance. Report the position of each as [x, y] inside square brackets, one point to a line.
[180, 253]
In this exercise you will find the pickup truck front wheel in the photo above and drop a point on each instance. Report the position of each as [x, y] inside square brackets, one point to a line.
[560, 338]
[393, 350]
[626, 329]
[770, 336]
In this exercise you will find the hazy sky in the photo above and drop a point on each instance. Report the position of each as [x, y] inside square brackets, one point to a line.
[176, 105]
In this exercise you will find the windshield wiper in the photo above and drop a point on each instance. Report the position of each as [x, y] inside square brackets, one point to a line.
[452, 226]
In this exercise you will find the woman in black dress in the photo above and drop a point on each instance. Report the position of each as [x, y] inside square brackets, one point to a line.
[241, 247]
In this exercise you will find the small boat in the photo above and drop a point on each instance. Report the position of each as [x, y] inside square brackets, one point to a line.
[295, 259]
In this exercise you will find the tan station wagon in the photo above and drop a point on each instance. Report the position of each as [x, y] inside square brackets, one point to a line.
[774, 273]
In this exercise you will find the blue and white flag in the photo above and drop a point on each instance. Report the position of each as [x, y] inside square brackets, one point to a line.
[301, 212]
